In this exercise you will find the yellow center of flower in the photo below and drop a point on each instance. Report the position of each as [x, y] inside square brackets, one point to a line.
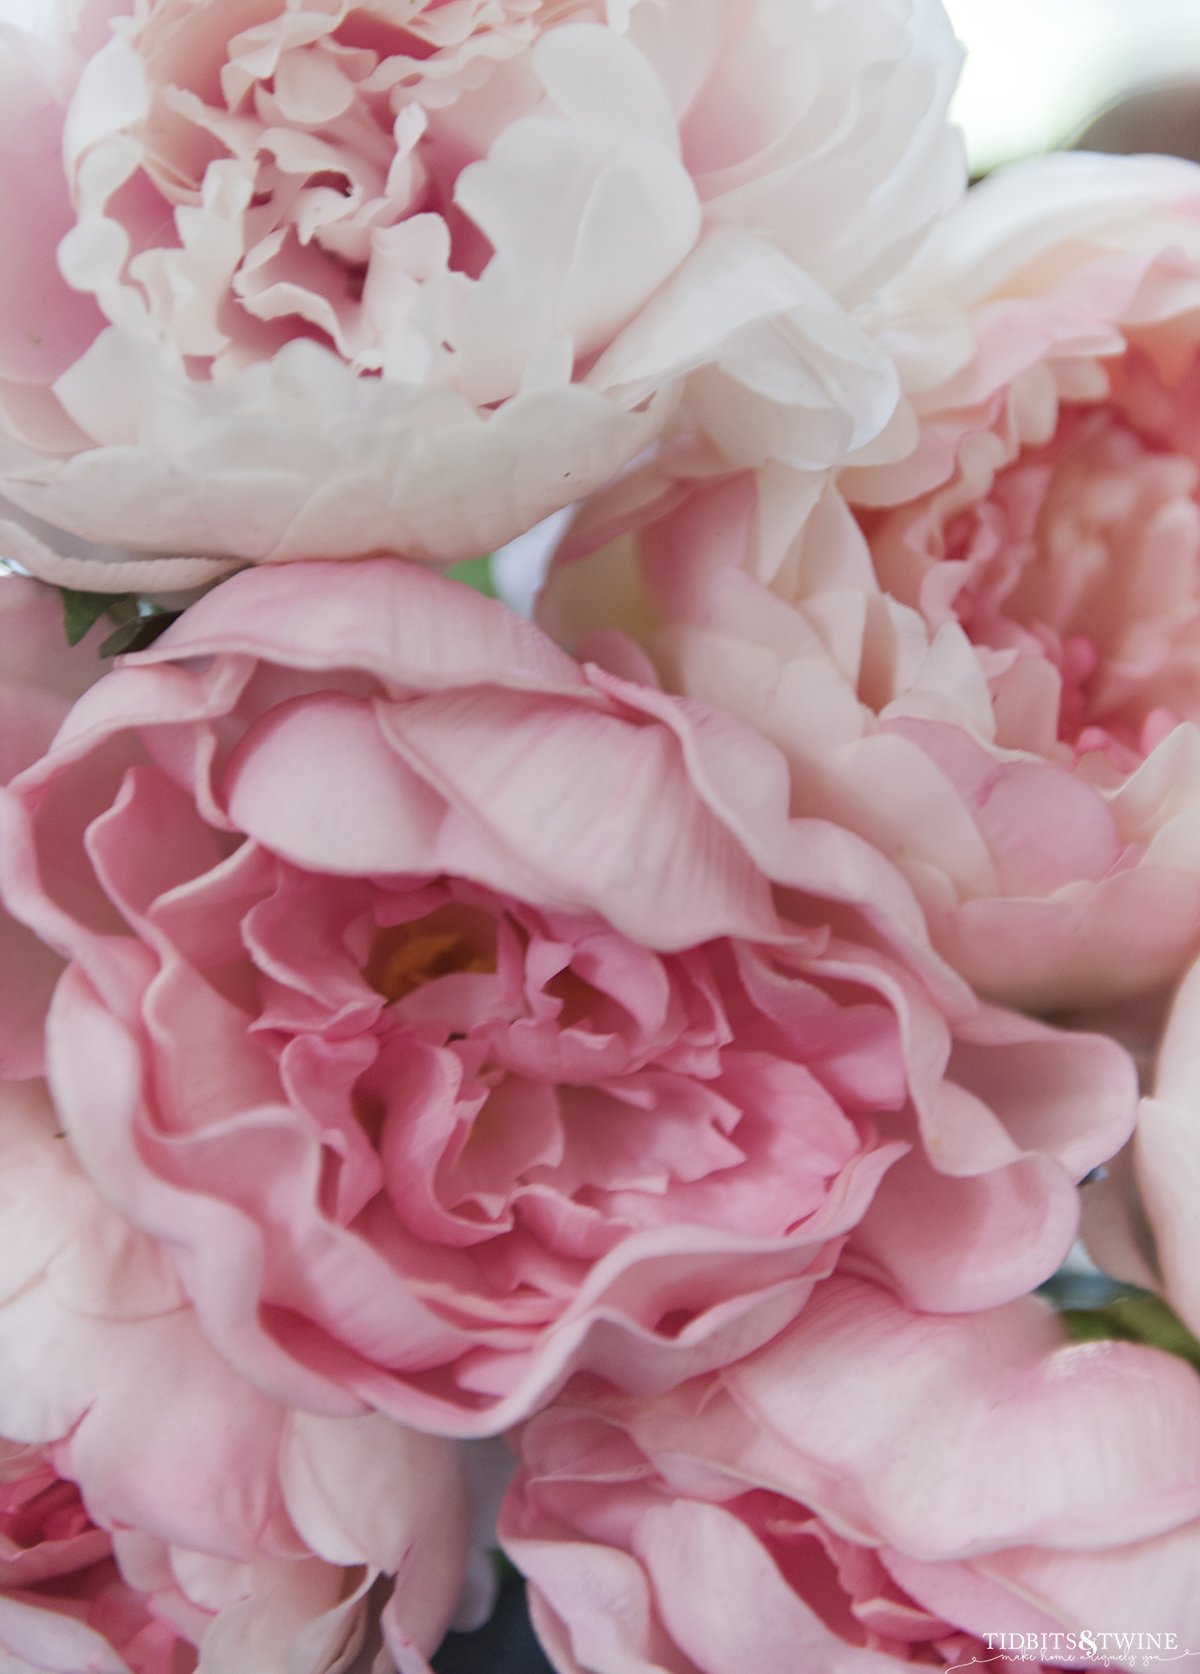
[411, 956]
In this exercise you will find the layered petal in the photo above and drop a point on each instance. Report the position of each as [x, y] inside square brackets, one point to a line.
[470, 1017]
[977, 642]
[160, 1514]
[40, 675]
[889, 1488]
[339, 283]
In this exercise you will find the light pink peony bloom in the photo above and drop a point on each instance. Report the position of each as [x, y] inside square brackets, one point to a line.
[458, 1017]
[985, 654]
[63, 1603]
[389, 276]
[40, 676]
[1155, 1209]
[247, 1539]
[876, 1489]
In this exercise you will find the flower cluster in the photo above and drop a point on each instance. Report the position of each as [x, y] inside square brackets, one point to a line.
[606, 1086]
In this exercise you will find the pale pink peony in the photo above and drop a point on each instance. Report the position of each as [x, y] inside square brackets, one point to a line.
[985, 654]
[247, 1539]
[458, 1017]
[1153, 1204]
[410, 276]
[876, 1489]
[63, 1603]
[40, 676]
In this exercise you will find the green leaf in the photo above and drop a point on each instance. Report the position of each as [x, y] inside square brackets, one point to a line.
[1135, 1316]
[476, 573]
[82, 611]
[121, 639]
[503, 1566]
[1090, 1325]
[139, 632]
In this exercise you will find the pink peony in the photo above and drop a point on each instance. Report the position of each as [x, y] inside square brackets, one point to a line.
[63, 1603]
[458, 1017]
[1153, 1203]
[371, 276]
[40, 676]
[876, 1489]
[984, 654]
[247, 1539]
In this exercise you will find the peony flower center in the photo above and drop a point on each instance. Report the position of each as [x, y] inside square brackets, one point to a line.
[1086, 556]
[41, 1507]
[406, 958]
[295, 176]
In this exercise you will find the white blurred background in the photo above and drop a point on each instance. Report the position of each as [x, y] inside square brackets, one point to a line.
[1038, 70]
